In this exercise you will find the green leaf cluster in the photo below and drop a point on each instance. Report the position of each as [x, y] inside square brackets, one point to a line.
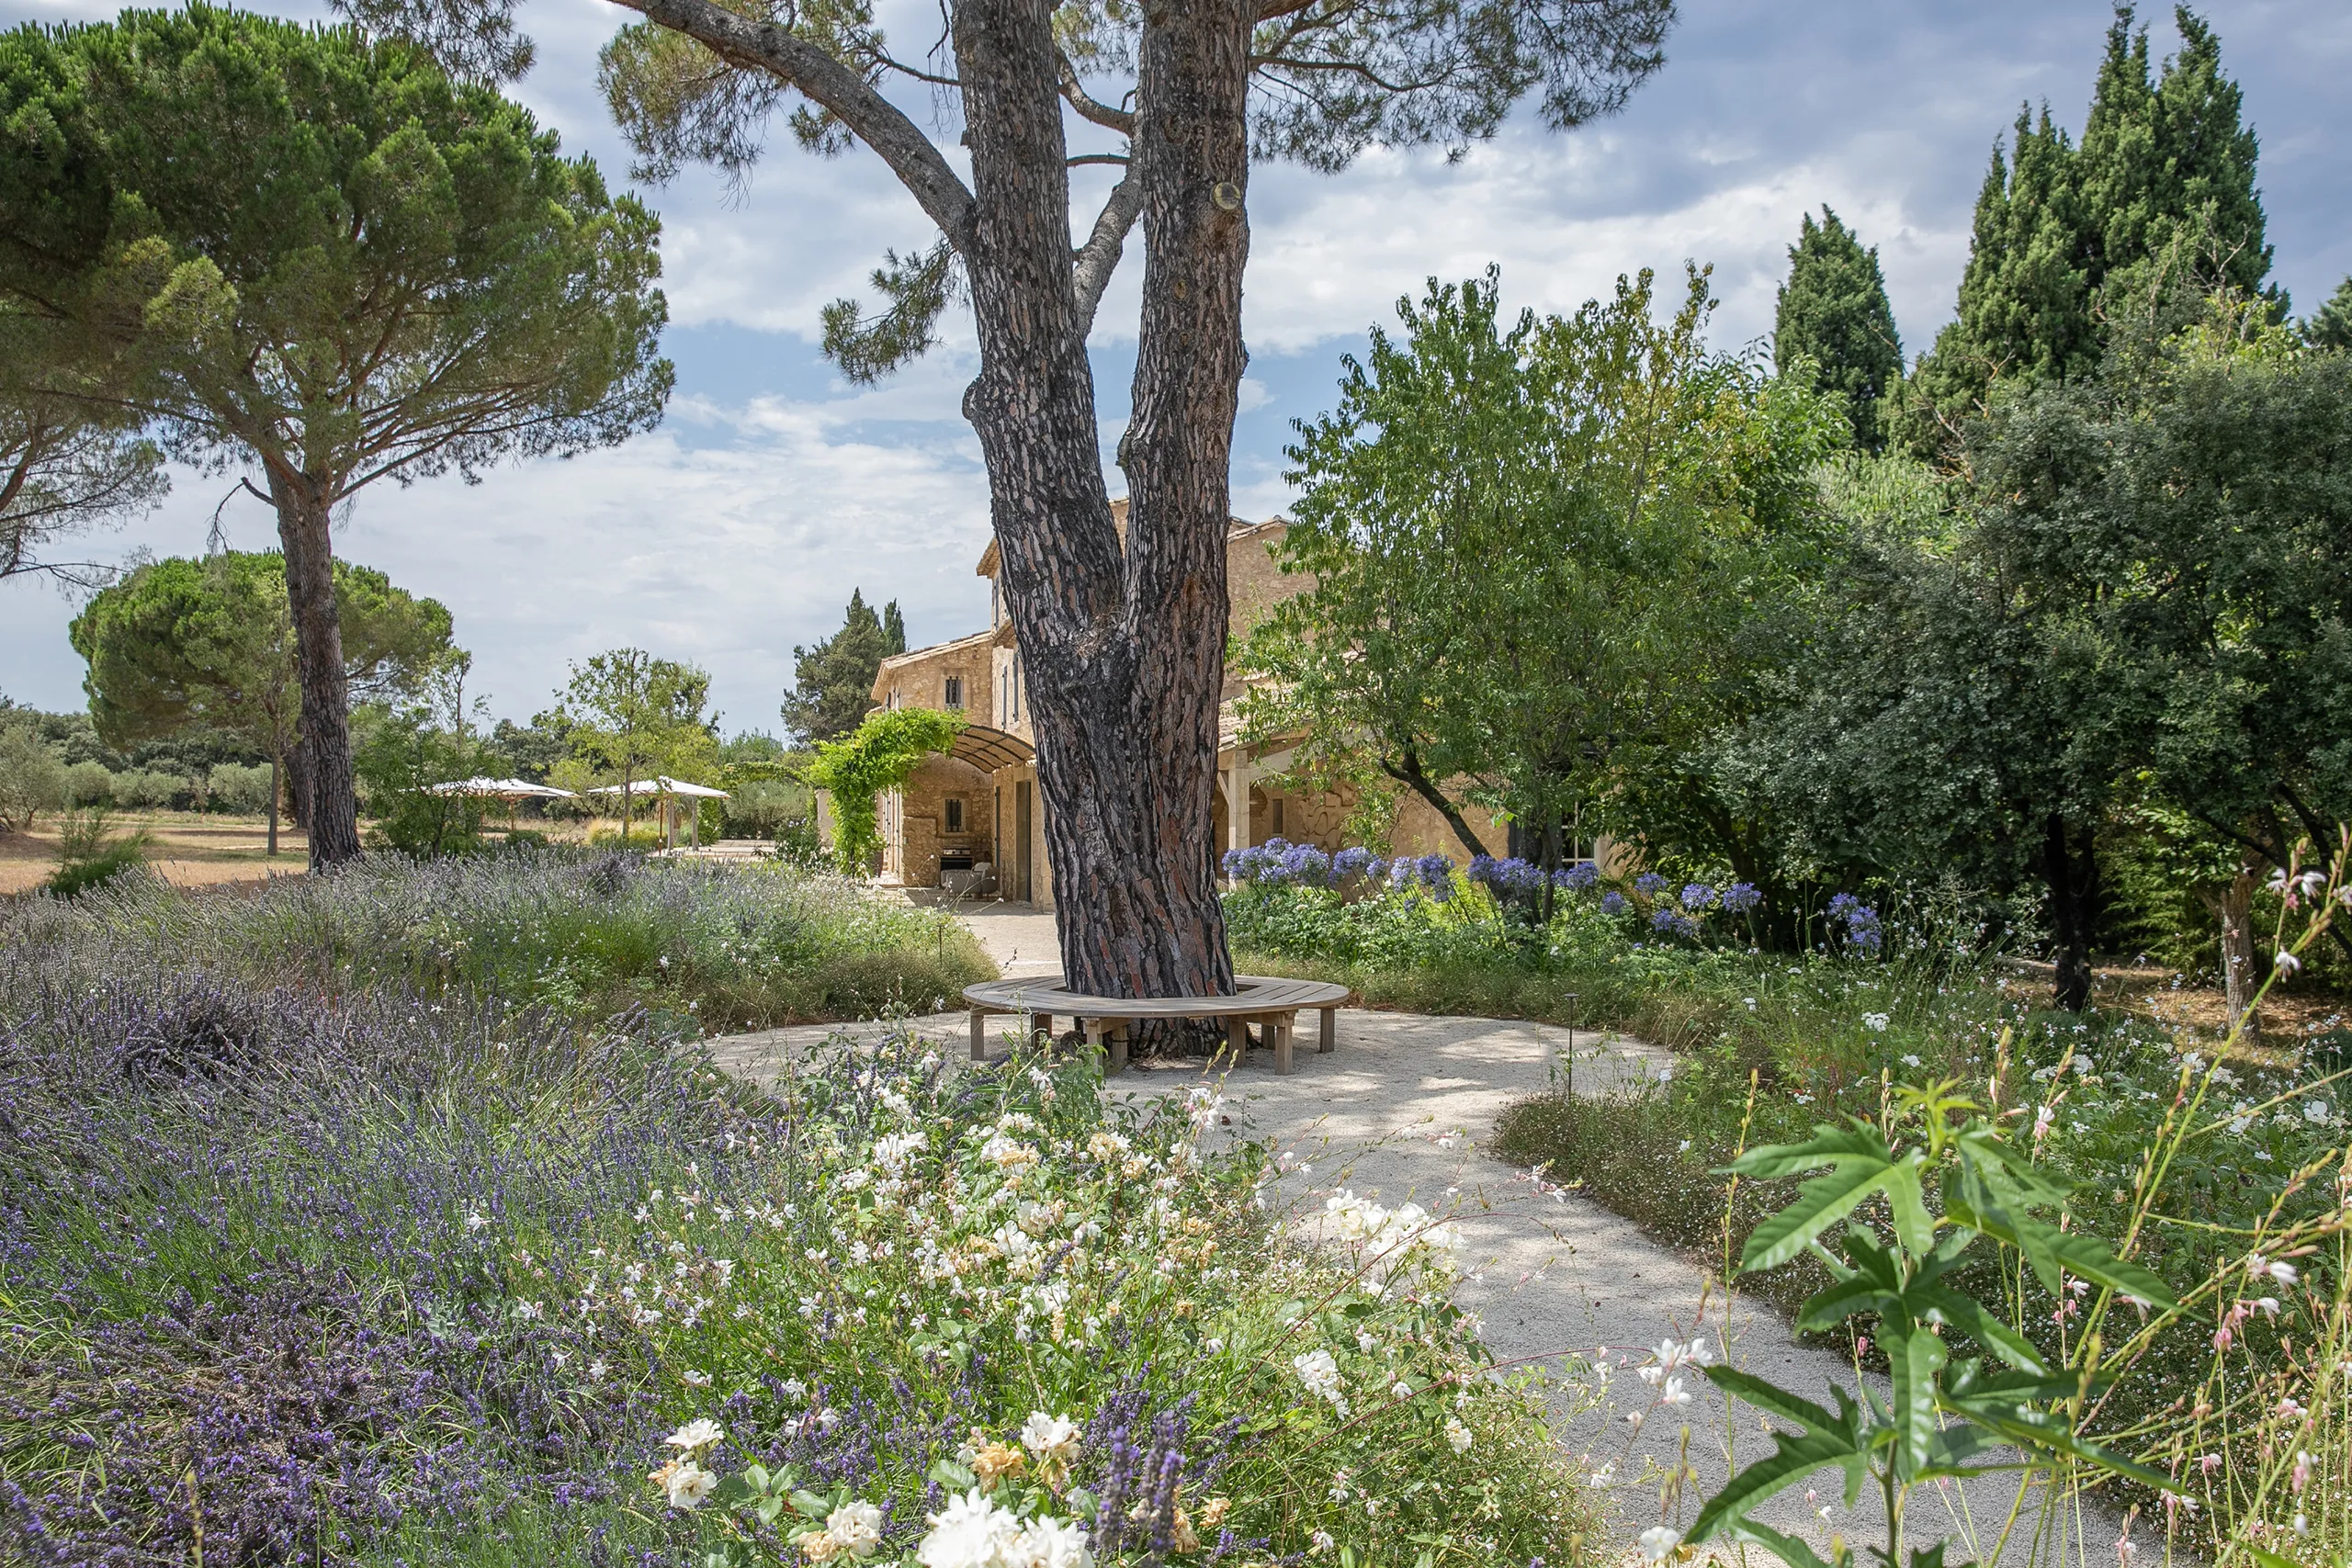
[878, 755]
[1940, 1415]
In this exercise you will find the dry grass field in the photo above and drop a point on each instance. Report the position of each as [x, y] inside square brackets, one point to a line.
[189, 848]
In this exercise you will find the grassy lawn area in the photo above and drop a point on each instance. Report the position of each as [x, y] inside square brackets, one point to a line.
[393, 1217]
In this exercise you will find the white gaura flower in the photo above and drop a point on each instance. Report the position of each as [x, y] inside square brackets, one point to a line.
[1658, 1541]
[1674, 1393]
[1876, 1022]
[856, 1529]
[694, 1378]
[474, 1221]
[1321, 1374]
[689, 1484]
[695, 1435]
[970, 1532]
[1457, 1435]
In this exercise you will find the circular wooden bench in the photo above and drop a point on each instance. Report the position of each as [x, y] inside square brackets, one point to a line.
[1273, 1005]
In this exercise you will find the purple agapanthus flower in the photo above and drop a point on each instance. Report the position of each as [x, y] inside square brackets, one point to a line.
[1741, 897]
[1698, 896]
[1673, 922]
[1649, 884]
[1577, 878]
[1613, 902]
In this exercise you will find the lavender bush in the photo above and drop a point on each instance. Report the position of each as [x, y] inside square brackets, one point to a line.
[726, 946]
[375, 1265]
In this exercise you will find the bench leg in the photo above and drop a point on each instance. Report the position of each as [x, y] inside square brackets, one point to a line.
[1236, 1039]
[1280, 1028]
[1331, 1040]
[1119, 1048]
[979, 1035]
[1042, 1023]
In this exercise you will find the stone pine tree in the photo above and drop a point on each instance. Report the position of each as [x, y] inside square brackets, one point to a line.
[2067, 238]
[207, 644]
[833, 681]
[70, 457]
[1122, 642]
[332, 266]
[1832, 312]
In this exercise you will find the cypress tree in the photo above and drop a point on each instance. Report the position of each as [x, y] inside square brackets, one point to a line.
[2330, 326]
[833, 681]
[1832, 312]
[2064, 237]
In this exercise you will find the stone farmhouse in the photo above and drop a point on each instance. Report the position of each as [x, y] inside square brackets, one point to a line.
[971, 818]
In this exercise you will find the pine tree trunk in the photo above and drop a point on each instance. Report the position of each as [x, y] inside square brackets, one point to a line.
[276, 781]
[298, 781]
[1124, 650]
[2070, 867]
[303, 530]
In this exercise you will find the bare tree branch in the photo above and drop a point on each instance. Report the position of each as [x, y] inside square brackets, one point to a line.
[1099, 257]
[848, 97]
[1091, 108]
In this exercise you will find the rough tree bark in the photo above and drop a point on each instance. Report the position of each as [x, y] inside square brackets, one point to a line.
[2070, 868]
[303, 518]
[2233, 905]
[1124, 650]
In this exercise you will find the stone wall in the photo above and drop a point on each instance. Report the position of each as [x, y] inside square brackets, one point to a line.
[917, 829]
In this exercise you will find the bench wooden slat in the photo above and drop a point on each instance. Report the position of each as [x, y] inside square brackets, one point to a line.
[1272, 1003]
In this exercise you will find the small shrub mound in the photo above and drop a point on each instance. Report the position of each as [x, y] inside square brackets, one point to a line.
[420, 1275]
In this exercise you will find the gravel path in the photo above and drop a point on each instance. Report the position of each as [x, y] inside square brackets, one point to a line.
[1403, 1109]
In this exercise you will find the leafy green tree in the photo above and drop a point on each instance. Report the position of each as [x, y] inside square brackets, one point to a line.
[187, 645]
[2067, 239]
[31, 778]
[630, 717]
[1544, 555]
[1122, 637]
[70, 457]
[833, 681]
[1834, 312]
[330, 262]
[2330, 327]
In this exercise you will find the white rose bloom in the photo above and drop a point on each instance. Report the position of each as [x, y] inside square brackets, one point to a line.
[689, 1484]
[856, 1529]
[1043, 1435]
[1052, 1543]
[696, 1434]
[970, 1532]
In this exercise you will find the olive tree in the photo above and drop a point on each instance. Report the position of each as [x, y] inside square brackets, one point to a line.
[1122, 640]
[328, 262]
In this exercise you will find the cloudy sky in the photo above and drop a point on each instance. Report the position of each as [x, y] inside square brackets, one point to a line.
[738, 527]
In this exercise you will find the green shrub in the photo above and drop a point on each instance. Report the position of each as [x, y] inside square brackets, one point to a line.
[91, 855]
[88, 784]
[241, 788]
